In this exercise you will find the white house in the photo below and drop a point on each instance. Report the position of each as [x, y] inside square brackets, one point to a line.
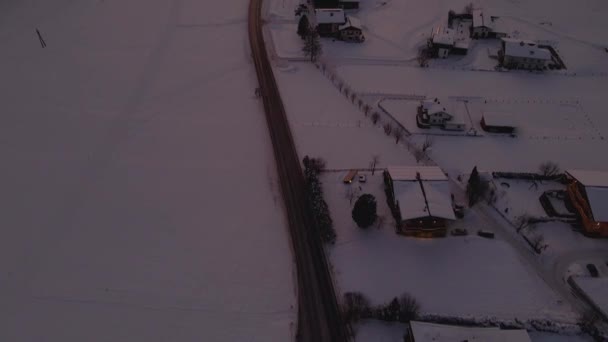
[433, 112]
[329, 21]
[442, 39]
[523, 54]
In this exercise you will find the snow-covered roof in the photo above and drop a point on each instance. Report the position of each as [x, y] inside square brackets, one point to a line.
[351, 22]
[525, 49]
[480, 19]
[330, 16]
[433, 106]
[408, 173]
[413, 195]
[596, 187]
[499, 119]
[596, 289]
[431, 332]
[443, 36]
[590, 177]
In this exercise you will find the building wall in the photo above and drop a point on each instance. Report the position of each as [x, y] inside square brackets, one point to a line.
[352, 34]
[575, 192]
[523, 62]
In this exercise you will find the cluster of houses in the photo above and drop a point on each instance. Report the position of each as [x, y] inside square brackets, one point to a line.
[334, 23]
[513, 54]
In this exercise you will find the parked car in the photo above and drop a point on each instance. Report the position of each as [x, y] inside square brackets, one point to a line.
[362, 178]
[349, 176]
[459, 232]
[458, 210]
[485, 234]
[593, 270]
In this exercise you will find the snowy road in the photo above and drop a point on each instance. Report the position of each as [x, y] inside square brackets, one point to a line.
[139, 192]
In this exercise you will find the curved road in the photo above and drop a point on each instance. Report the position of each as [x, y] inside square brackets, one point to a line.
[318, 314]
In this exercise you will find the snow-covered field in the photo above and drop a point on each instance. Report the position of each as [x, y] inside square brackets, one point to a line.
[139, 197]
[458, 276]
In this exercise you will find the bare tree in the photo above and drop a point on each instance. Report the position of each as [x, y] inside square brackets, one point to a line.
[388, 128]
[409, 308]
[423, 57]
[398, 134]
[419, 154]
[427, 144]
[374, 162]
[375, 118]
[366, 109]
[538, 243]
[549, 168]
[468, 9]
[522, 222]
[380, 221]
[355, 306]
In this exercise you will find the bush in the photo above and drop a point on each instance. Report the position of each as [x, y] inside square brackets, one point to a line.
[355, 307]
[314, 196]
[364, 212]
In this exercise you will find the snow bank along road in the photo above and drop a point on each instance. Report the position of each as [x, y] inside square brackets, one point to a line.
[136, 174]
[319, 317]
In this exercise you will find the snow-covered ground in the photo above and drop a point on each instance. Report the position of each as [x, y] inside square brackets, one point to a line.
[326, 124]
[596, 289]
[455, 276]
[139, 197]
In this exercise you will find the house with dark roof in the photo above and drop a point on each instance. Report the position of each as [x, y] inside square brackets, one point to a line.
[420, 200]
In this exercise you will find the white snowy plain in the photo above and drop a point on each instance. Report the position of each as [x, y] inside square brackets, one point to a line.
[139, 196]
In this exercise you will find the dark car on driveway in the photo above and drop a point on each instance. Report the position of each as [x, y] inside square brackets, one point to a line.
[593, 270]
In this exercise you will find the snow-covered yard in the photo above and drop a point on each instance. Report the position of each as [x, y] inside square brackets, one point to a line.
[326, 124]
[458, 276]
[122, 143]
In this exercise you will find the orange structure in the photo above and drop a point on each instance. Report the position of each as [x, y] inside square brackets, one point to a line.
[588, 192]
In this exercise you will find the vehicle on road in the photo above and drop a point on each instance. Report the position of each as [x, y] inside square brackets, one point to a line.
[362, 178]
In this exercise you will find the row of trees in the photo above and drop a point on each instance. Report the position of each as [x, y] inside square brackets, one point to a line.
[356, 306]
[314, 196]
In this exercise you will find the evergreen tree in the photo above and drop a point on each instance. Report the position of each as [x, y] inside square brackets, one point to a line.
[476, 187]
[312, 45]
[303, 27]
[364, 211]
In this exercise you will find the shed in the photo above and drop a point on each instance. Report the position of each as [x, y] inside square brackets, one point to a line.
[498, 122]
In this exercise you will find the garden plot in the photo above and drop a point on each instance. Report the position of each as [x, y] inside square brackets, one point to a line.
[455, 276]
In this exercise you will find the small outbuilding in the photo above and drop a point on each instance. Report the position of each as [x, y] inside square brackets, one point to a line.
[352, 30]
[497, 122]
